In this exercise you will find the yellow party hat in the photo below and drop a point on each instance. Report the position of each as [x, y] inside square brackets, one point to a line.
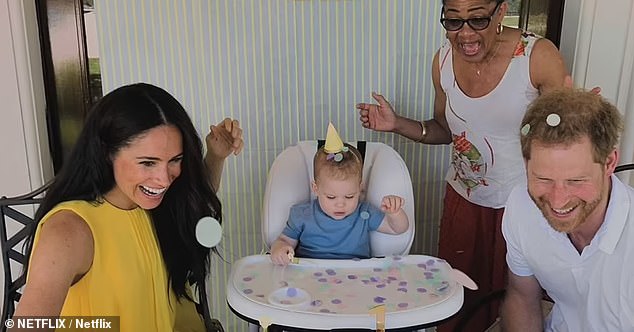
[333, 141]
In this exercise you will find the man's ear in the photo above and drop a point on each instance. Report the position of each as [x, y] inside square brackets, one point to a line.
[611, 162]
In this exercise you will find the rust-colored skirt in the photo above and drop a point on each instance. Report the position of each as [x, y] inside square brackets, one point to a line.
[471, 240]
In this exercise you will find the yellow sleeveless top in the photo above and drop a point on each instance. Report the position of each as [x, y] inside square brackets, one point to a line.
[127, 277]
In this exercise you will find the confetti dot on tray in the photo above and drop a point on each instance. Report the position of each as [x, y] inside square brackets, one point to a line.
[421, 290]
[402, 289]
[352, 276]
[247, 291]
[291, 292]
[379, 299]
[422, 265]
[322, 279]
[335, 301]
[380, 286]
[318, 274]
[402, 283]
[377, 269]
[247, 279]
[402, 305]
[331, 272]
[316, 303]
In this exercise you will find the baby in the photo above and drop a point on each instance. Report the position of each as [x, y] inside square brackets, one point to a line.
[337, 224]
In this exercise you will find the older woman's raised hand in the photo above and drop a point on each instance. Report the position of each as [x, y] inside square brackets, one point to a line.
[224, 138]
[379, 117]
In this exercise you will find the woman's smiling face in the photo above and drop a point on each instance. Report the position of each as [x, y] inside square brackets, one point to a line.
[145, 168]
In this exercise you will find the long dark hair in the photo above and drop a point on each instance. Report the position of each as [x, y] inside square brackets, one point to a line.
[117, 119]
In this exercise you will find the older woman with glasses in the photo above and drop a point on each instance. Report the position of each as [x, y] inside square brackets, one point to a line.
[484, 77]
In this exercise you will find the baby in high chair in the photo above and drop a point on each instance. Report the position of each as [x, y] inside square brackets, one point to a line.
[337, 224]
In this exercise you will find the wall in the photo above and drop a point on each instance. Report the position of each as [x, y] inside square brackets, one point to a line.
[24, 163]
[24, 145]
[598, 45]
[284, 69]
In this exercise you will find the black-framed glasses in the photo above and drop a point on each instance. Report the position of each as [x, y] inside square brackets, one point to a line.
[476, 23]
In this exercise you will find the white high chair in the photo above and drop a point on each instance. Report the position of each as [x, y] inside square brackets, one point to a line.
[412, 292]
[384, 173]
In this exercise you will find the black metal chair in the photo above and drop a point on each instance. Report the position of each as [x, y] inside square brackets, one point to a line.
[13, 212]
[498, 295]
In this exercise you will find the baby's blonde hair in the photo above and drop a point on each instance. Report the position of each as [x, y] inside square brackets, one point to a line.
[350, 166]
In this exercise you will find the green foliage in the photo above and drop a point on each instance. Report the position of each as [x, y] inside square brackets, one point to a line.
[514, 7]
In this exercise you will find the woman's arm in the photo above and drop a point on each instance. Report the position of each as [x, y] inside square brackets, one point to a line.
[222, 140]
[63, 254]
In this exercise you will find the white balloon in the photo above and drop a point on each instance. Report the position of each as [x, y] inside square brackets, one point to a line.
[208, 232]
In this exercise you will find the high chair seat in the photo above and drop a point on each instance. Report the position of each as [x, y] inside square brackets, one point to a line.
[392, 290]
[384, 173]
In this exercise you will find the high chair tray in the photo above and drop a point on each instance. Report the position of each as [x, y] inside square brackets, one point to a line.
[414, 290]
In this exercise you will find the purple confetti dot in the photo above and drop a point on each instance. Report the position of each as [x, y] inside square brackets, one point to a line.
[352, 276]
[247, 279]
[377, 269]
[374, 279]
[402, 305]
[324, 310]
[402, 283]
[260, 295]
[315, 303]
[402, 289]
[379, 299]
[322, 279]
[442, 288]
[380, 286]
[291, 292]
[430, 262]
[337, 281]
[397, 258]
[335, 301]
[421, 290]
[318, 274]
[247, 291]
[422, 266]
[435, 269]
[428, 274]
[391, 278]
[331, 272]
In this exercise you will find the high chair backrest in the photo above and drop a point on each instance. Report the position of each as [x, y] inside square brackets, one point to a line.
[384, 173]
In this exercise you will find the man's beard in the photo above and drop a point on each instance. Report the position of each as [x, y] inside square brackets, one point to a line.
[583, 210]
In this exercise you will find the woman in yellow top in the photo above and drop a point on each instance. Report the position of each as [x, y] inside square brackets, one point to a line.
[116, 230]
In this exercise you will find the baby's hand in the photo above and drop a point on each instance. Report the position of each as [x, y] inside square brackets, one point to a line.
[391, 204]
[283, 255]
